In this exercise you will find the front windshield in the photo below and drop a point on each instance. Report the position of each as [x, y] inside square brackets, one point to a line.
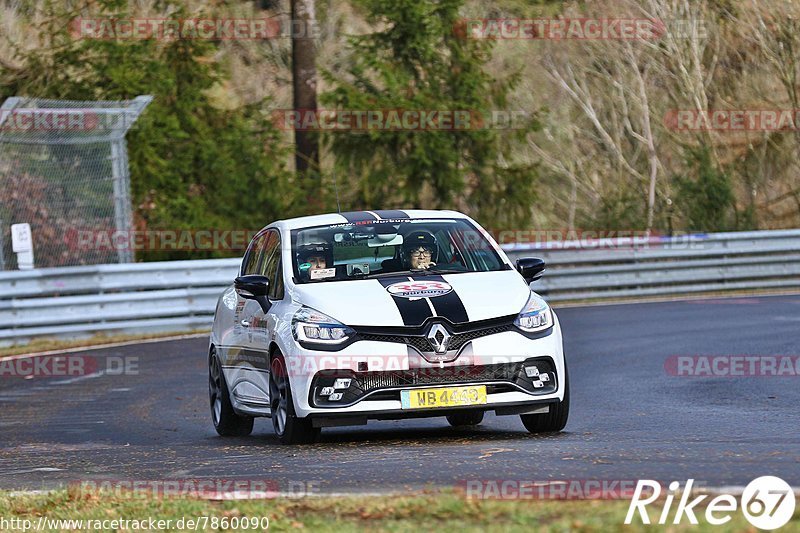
[385, 247]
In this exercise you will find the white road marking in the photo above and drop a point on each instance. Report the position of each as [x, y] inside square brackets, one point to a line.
[43, 469]
[79, 378]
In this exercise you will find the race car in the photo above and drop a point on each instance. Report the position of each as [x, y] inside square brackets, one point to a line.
[342, 318]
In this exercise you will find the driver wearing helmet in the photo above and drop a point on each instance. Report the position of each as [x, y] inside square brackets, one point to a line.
[419, 250]
[313, 257]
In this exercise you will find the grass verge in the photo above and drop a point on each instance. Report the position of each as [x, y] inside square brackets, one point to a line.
[431, 511]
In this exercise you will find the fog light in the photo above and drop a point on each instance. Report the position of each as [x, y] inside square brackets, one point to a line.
[335, 397]
[538, 384]
[531, 371]
[545, 377]
[326, 391]
[342, 383]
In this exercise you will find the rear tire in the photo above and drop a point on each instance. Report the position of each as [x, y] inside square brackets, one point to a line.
[289, 428]
[465, 418]
[226, 422]
[556, 419]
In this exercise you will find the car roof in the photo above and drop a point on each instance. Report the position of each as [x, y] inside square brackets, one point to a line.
[362, 216]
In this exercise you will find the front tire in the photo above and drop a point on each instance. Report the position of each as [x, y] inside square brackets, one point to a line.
[226, 422]
[289, 428]
[465, 418]
[556, 419]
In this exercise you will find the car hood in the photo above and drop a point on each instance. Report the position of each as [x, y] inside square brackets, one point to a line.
[410, 300]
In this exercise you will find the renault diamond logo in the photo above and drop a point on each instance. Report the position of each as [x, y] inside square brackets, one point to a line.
[439, 338]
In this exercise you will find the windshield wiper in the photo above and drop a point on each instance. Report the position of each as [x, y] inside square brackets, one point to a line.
[421, 272]
[443, 271]
[376, 275]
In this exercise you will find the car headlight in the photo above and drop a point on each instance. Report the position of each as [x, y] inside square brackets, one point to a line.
[535, 316]
[309, 325]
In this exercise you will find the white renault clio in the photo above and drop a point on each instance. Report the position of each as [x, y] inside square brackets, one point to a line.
[341, 318]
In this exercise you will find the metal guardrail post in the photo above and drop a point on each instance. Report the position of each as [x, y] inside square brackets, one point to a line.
[120, 173]
[6, 108]
[2, 248]
[123, 221]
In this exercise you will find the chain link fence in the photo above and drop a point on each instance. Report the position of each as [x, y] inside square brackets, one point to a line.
[64, 171]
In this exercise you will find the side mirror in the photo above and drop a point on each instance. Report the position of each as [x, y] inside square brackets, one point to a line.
[254, 287]
[531, 268]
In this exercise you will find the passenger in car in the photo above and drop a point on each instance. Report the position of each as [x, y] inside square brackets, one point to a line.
[313, 257]
[420, 250]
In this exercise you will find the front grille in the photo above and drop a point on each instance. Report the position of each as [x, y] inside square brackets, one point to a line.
[382, 338]
[460, 339]
[420, 343]
[416, 337]
[434, 376]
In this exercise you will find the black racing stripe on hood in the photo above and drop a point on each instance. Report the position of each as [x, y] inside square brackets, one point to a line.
[359, 216]
[391, 213]
[413, 312]
[449, 305]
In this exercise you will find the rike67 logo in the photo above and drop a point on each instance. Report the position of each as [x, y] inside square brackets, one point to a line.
[767, 502]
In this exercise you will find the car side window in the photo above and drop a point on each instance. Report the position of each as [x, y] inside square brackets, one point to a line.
[270, 243]
[269, 267]
[254, 255]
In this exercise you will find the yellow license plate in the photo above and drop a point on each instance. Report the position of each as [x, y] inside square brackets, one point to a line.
[445, 397]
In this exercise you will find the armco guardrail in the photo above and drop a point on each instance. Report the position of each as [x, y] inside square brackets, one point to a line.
[108, 299]
[181, 295]
[666, 266]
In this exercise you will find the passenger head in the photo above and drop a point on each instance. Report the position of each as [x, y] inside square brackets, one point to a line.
[420, 250]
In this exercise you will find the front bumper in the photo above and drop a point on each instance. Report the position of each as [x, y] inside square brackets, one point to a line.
[380, 370]
[352, 388]
[329, 419]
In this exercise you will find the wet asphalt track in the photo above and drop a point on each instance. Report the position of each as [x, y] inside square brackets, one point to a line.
[629, 420]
